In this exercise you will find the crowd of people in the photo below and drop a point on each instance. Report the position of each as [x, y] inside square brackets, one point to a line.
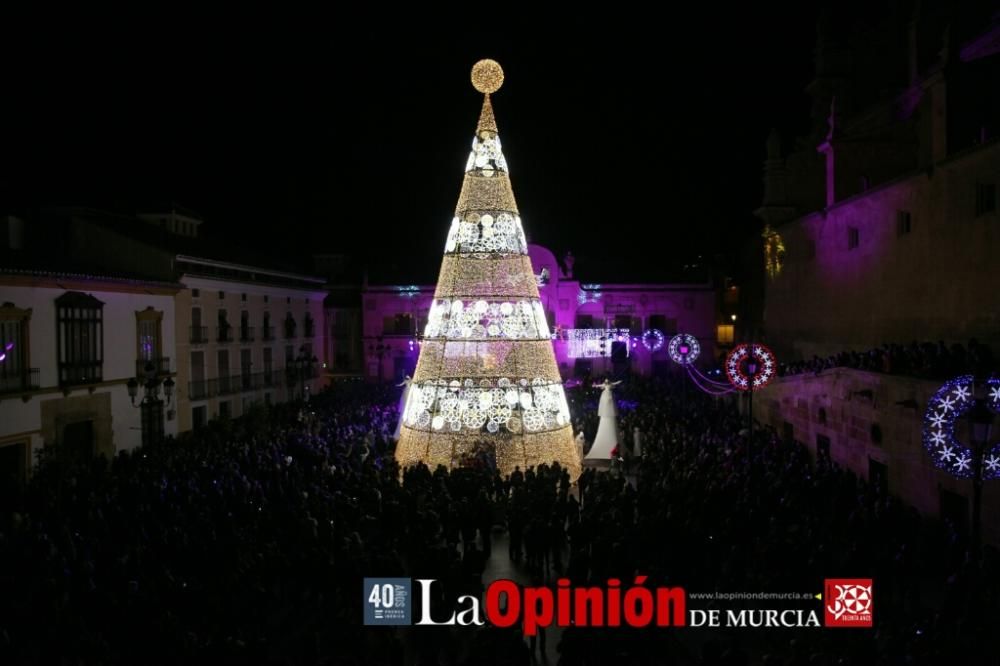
[247, 542]
[918, 359]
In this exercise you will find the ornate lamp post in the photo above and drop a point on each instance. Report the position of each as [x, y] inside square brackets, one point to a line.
[302, 369]
[980, 428]
[150, 400]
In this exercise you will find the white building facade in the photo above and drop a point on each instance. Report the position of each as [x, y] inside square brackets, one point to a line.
[71, 345]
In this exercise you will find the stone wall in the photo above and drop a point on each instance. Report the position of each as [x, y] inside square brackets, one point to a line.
[873, 417]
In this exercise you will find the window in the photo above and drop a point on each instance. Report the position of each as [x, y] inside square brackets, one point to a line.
[268, 367]
[402, 324]
[246, 330]
[15, 375]
[663, 324]
[903, 222]
[222, 294]
[267, 331]
[225, 409]
[195, 293]
[243, 297]
[288, 300]
[986, 198]
[309, 326]
[724, 334]
[199, 415]
[80, 338]
[823, 447]
[853, 238]
[151, 422]
[821, 416]
[876, 434]
[224, 329]
[198, 389]
[584, 321]
[148, 345]
[266, 298]
[289, 326]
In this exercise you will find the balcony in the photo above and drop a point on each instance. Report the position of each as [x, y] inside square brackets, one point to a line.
[267, 333]
[224, 333]
[199, 335]
[246, 334]
[81, 372]
[19, 380]
[158, 366]
[197, 390]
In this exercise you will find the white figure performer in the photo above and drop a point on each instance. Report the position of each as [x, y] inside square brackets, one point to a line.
[403, 399]
[607, 428]
[637, 441]
[580, 442]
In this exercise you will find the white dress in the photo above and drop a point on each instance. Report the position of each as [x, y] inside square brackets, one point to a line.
[402, 406]
[607, 428]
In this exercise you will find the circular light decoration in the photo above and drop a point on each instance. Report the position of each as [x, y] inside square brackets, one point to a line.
[951, 401]
[750, 367]
[684, 349]
[487, 76]
[653, 339]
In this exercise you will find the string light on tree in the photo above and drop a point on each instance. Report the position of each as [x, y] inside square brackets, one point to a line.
[684, 349]
[949, 403]
[487, 375]
[750, 367]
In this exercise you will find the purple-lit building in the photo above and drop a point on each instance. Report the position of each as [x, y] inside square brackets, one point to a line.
[886, 216]
[598, 327]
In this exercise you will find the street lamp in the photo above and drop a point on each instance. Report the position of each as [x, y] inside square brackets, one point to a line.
[381, 350]
[302, 367]
[151, 387]
[150, 404]
[980, 428]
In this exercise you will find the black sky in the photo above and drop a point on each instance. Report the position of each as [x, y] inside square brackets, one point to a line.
[313, 133]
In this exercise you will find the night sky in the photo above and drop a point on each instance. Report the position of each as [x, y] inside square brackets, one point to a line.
[638, 145]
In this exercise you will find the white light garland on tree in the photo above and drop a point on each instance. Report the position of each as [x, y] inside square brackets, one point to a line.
[487, 375]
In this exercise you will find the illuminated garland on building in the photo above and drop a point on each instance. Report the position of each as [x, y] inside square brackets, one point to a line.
[951, 401]
[593, 342]
[487, 374]
[684, 349]
[750, 367]
[774, 252]
[653, 339]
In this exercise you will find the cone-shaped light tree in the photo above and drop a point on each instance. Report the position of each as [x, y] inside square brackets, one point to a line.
[487, 377]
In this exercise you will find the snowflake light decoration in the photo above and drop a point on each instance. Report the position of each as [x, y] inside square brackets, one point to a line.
[653, 339]
[684, 349]
[950, 402]
[750, 367]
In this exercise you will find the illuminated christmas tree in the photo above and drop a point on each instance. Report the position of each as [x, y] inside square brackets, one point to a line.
[486, 380]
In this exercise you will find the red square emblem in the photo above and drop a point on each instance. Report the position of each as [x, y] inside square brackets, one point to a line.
[847, 602]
